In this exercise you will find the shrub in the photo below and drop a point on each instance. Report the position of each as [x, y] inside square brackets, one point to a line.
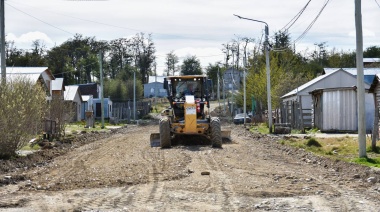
[313, 142]
[22, 108]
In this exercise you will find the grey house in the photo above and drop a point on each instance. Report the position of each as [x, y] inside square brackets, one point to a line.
[331, 92]
[155, 87]
[73, 96]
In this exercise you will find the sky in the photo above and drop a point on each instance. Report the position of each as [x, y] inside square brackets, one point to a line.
[190, 27]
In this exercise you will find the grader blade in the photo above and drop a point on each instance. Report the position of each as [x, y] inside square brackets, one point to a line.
[226, 134]
[155, 140]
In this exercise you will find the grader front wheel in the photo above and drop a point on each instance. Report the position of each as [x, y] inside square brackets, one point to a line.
[216, 133]
[165, 133]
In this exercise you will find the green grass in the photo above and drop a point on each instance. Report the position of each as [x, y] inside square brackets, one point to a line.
[159, 107]
[79, 127]
[261, 128]
[30, 147]
[342, 148]
[372, 162]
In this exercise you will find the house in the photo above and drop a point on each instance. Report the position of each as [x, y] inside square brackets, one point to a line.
[297, 105]
[91, 100]
[57, 88]
[231, 79]
[369, 73]
[72, 95]
[90, 89]
[87, 105]
[375, 90]
[107, 107]
[371, 62]
[41, 75]
[154, 89]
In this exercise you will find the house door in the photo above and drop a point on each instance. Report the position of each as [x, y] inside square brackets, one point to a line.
[98, 110]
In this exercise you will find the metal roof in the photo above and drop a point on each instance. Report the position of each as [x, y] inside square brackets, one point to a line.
[158, 79]
[369, 73]
[317, 79]
[353, 71]
[371, 60]
[32, 73]
[300, 88]
[85, 98]
[57, 84]
[70, 92]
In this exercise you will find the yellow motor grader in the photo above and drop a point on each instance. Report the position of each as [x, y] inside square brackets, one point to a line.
[189, 97]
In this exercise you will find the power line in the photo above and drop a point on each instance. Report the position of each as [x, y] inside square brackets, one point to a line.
[312, 23]
[40, 20]
[111, 25]
[295, 18]
[377, 3]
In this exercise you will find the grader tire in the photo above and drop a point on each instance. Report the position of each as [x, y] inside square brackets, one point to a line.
[165, 133]
[216, 133]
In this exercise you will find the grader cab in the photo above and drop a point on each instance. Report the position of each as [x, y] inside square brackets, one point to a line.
[188, 113]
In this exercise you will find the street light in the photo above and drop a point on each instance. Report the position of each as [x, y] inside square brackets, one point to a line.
[268, 69]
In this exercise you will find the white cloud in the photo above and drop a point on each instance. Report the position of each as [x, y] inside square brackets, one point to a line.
[366, 33]
[25, 40]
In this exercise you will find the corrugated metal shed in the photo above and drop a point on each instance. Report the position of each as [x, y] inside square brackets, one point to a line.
[335, 109]
[339, 110]
[332, 79]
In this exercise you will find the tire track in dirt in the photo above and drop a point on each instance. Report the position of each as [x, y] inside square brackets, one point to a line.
[219, 181]
[153, 158]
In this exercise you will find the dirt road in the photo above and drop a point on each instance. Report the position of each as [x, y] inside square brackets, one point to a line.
[253, 172]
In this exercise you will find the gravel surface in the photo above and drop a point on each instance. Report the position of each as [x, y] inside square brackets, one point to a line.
[119, 171]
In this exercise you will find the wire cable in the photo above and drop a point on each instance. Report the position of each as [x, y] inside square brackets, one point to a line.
[312, 23]
[295, 18]
[377, 3]
[40, 20]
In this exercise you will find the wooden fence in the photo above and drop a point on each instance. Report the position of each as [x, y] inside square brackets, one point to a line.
[292, 113]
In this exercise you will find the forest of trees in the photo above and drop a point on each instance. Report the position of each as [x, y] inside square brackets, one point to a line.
[289, 69]
[76, 60]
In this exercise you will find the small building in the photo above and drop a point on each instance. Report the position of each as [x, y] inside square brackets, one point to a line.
[72, 95]
[91, 100]
[87, 105]
[375, 90]
[90, 89]
[107, 103]
[297, 105]
[154, 89]
[371, 62]
[57, 88]
[41, 75]
[335, 109]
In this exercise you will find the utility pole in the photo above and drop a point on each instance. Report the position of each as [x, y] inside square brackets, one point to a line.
[224, 96]
[360, 80]
[2, 34]
[134, 95]
[267, 67]
[218, 87]
[101, 89]
[244, 83]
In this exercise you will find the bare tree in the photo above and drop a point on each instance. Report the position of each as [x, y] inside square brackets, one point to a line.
[171, 61]
[22, 108]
